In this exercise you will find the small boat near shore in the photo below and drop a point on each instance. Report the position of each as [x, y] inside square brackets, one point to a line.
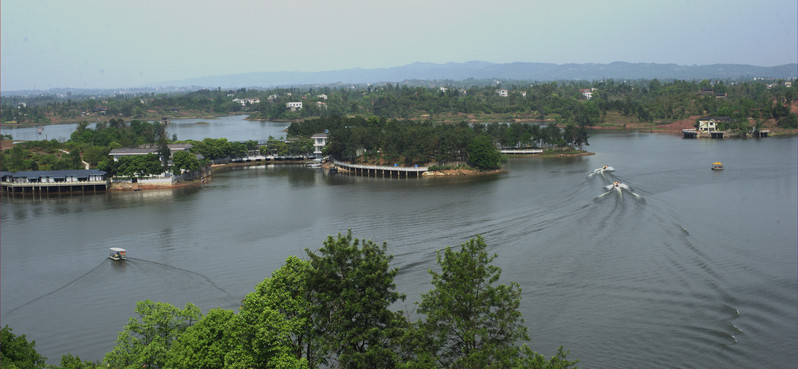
[717, 166]
[117, 254]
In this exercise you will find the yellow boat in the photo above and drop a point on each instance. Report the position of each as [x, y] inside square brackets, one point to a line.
[717, 166]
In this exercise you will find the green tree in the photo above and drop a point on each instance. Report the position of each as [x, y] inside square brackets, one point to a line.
[146, 341]
[17, 352]
[483, 155]
[184, 160]
[139, 165]
[274, 320]
[74, 362]
[469, 320]
[351, 286]
[205, 345]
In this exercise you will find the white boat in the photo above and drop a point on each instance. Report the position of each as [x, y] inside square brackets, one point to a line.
[616, 185]
[604, 168]
[117, 254]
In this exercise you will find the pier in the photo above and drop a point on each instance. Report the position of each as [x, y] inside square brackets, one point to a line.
[54, 182]
[521, 151]
[380, 171]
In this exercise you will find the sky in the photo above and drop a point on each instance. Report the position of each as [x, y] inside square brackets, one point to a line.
[118, 43]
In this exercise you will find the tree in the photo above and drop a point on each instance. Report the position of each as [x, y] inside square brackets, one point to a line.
[483, 155]
[470, 322]
[146, 341]
[139, 165]
[351, 286]
[184, 160]
[206, 344]
[274, 320]
[17, 352]
[74, 362]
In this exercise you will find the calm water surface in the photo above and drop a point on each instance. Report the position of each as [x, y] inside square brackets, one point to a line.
[694, 269]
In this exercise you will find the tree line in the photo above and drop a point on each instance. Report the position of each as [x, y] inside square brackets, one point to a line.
[562, 102]
[332, 310]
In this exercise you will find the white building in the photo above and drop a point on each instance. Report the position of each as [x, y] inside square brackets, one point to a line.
[502, 92]
[587, 93]
[319, 141]
[246, 101]
[294, 105]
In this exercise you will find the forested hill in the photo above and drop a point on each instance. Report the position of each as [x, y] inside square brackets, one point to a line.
[485, 70]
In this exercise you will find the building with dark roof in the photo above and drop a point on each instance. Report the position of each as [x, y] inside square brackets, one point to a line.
[54, 181]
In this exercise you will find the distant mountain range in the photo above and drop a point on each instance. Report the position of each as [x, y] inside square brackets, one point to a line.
[484, 70]
[440, 73]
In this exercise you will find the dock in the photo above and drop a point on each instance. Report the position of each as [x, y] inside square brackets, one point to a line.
[521, 151]
[379, 171]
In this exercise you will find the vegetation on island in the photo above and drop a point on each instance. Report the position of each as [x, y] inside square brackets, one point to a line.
[332, 310]
[377, 140]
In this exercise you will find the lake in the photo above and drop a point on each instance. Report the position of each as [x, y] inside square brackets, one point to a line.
[692, 268]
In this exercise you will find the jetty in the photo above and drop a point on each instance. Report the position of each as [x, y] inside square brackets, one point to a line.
[379, 170]
[521, 151]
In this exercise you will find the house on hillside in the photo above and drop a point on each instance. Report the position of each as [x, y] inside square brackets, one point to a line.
[587, 93]
[502, 92]
[294, 105]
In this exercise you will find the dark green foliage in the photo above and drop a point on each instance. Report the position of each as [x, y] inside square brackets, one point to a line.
[146, 340]
[483, 155]
[273, 326]
[351, 286]
[17, 352]
[116, 130]
[184, 160]
[470, 321]
[74, 362]
[206, 344]
[139, 165]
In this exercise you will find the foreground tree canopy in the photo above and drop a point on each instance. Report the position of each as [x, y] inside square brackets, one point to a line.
[332, 311]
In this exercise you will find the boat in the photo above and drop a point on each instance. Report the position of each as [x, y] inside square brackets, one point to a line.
[604, 168]
[117, 254]
[717, 166]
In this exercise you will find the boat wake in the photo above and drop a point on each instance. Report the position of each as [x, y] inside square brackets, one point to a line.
[57, 289]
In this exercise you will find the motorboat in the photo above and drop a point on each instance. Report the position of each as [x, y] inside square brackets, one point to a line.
[117, 254]
[616, 186]
[717, 166]
[604, 168]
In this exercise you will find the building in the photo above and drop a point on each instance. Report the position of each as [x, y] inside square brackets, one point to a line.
[319, 141]
[294, 105]
[149, 149]
[54, 181]
[587, 93]
[502, 92]
[250, 100]
[322, 96]
[710, 124]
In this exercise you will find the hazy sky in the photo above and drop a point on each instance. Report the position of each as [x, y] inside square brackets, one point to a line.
[121, 43]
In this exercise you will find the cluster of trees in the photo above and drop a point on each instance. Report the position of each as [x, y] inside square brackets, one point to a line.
[333, 310]
[41, 155]
[381, 140]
